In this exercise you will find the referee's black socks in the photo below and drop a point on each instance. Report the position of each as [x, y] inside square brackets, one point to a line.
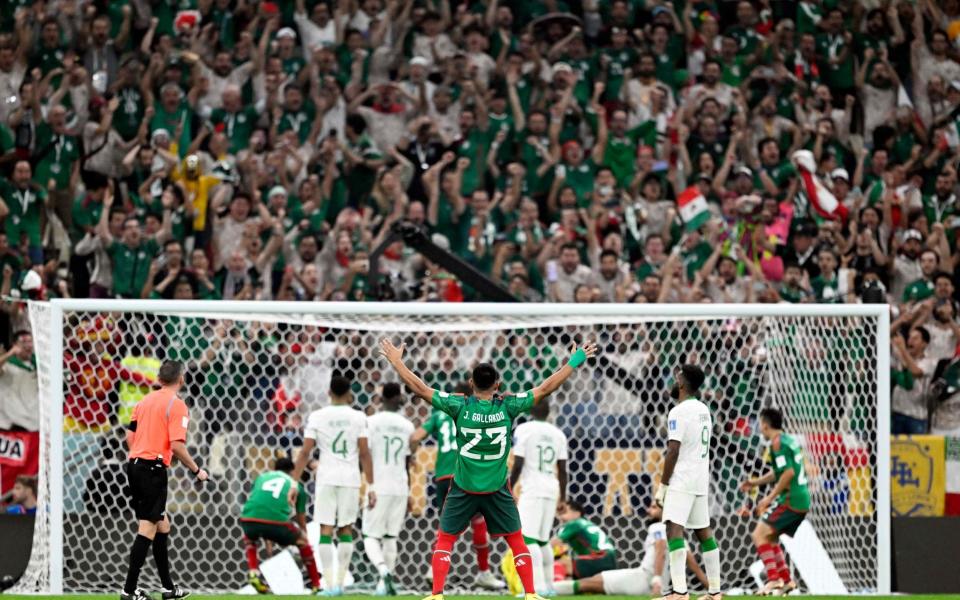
[162, 560]
[138, 555]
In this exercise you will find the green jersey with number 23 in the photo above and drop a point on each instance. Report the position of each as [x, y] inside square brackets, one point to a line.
[484, 431]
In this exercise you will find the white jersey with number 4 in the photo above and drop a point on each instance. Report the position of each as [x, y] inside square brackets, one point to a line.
[689, 423]
[389, 435]
[337, 429]
[541, 445]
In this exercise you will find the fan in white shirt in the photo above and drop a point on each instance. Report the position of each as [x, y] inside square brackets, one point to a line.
[540, 466]
[389, 434]
[340, 433]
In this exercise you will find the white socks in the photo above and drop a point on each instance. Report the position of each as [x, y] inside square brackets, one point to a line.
[390, 552]
[375, 553]
[344, 554]
[325, 552]
[711, 562]
[536, 562]
[547, 551]
[565, 588]
[678, 570]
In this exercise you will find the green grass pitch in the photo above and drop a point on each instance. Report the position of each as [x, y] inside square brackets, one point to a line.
[692, 596]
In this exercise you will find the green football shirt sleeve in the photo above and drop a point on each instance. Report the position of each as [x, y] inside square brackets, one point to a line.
[518, 404]
[430, 425]
[301, 499]
[568, 531]
[448, 403]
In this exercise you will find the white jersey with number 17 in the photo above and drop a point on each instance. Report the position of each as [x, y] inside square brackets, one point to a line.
[389, 448]
[337, 430]
[689, 423]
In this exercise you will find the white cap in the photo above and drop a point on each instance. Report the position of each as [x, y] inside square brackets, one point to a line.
[286, 32]
[31, 281]
[840, 173]
[419, 61]
[277, 190]
[561, 66]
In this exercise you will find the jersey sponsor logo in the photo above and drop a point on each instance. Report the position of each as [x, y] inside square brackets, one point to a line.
[781, 461]
[673, 424]
[481, 418]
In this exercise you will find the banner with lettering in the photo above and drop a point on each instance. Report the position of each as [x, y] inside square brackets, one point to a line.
[19, 455]
[917, 475]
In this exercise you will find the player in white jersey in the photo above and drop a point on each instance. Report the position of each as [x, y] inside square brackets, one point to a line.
[340, 433]
[540, 467]
[645, 580]
[686, 481]
[389, 433]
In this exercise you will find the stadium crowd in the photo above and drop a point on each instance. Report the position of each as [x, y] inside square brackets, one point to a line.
[584, 151]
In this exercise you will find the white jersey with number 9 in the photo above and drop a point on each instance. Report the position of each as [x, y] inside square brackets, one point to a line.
[337, 429]
[690, 424]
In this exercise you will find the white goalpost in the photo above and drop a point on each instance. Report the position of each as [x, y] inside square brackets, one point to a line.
[257, 368]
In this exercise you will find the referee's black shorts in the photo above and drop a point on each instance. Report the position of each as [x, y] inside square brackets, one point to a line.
[147, 489]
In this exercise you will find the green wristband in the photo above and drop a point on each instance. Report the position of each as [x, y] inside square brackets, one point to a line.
[578, 358]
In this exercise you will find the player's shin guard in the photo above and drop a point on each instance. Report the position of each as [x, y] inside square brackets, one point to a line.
[390, 552]
[375, 553]
[441, 560]
[522, 560]
[481, 544]
[536, 562]
[547, 551]
[782, 568]
[162, 559]
[138, 555]
[678, 565]
[344, 555]
[711, 563]
[306, 555]
[325, 551]
[250, 550]
[768, 555]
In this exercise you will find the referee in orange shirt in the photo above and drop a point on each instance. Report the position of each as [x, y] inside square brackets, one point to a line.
[157, 433]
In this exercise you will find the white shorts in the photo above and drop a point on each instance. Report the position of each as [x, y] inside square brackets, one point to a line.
[385, 518]
[626, 582]
[686, 509]
[337, 505]
[536, 517]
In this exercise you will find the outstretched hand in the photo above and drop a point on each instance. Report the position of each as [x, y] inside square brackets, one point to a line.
[392, 353]
[590, 349]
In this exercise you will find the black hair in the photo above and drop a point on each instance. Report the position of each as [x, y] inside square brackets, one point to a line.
[391, 390]
[339, 385]
[357, 123]
[764, 142]
[942, 275]
[772, 417]
[692, 377]
[574, 505]
[924, 333]
[569, 246]
[283, 464]
[540, 410]
[170, 372]
[484, 376]
[20, 333]
[609, 252]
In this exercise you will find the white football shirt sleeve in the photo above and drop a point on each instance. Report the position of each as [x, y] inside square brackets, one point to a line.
[310, 431]
[564, 453]
[675, 425]
[519, 442]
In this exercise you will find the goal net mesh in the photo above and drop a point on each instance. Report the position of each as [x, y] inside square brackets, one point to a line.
[253, 379]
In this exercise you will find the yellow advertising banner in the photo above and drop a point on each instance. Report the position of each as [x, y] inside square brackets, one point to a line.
[917, 475]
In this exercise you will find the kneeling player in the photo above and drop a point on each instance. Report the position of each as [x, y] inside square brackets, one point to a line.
[591, 550]
[784, 508]
[645, 580]
[266, 514]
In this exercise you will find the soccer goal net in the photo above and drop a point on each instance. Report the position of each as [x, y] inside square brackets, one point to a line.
[255, 370]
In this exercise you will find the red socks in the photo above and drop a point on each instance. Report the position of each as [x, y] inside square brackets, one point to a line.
[781, 563]
[522, 560]
[775, 562]
[250, 547]
[306, 553]
[441, 560]
[480, 543]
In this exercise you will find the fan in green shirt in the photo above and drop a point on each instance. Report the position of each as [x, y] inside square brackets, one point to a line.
[361, 159]
[23, 202]
[57, 151]
[834, 49]
[484, 421]
[274, 500]
[238, 121]
[784, 508]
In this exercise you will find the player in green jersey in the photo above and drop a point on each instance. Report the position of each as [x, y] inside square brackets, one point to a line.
[784, 508]
[441, 427]
[274, 499]
[591, 549]
[484, 421]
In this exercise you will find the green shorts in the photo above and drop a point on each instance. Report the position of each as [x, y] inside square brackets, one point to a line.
[590, 564]
[783, 519]
[286, 534]
[442, 487]
[499, 510]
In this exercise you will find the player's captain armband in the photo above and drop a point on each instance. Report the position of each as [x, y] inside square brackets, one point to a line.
[578, 358]
[781, 461]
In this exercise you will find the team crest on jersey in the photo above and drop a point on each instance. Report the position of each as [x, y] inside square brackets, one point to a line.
[781, 461]
[673, 424]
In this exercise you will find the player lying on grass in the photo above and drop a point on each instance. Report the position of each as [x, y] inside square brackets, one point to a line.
[274, 499]
[442, 428]
[484, 421]
[784, 508]
[645, 580]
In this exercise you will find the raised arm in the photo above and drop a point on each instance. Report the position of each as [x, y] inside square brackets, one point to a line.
[552, 383]
[394, 356]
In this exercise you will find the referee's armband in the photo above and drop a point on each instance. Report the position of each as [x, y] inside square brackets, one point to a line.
[132, 426]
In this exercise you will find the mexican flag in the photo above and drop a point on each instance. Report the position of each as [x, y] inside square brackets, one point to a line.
[693, 208]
